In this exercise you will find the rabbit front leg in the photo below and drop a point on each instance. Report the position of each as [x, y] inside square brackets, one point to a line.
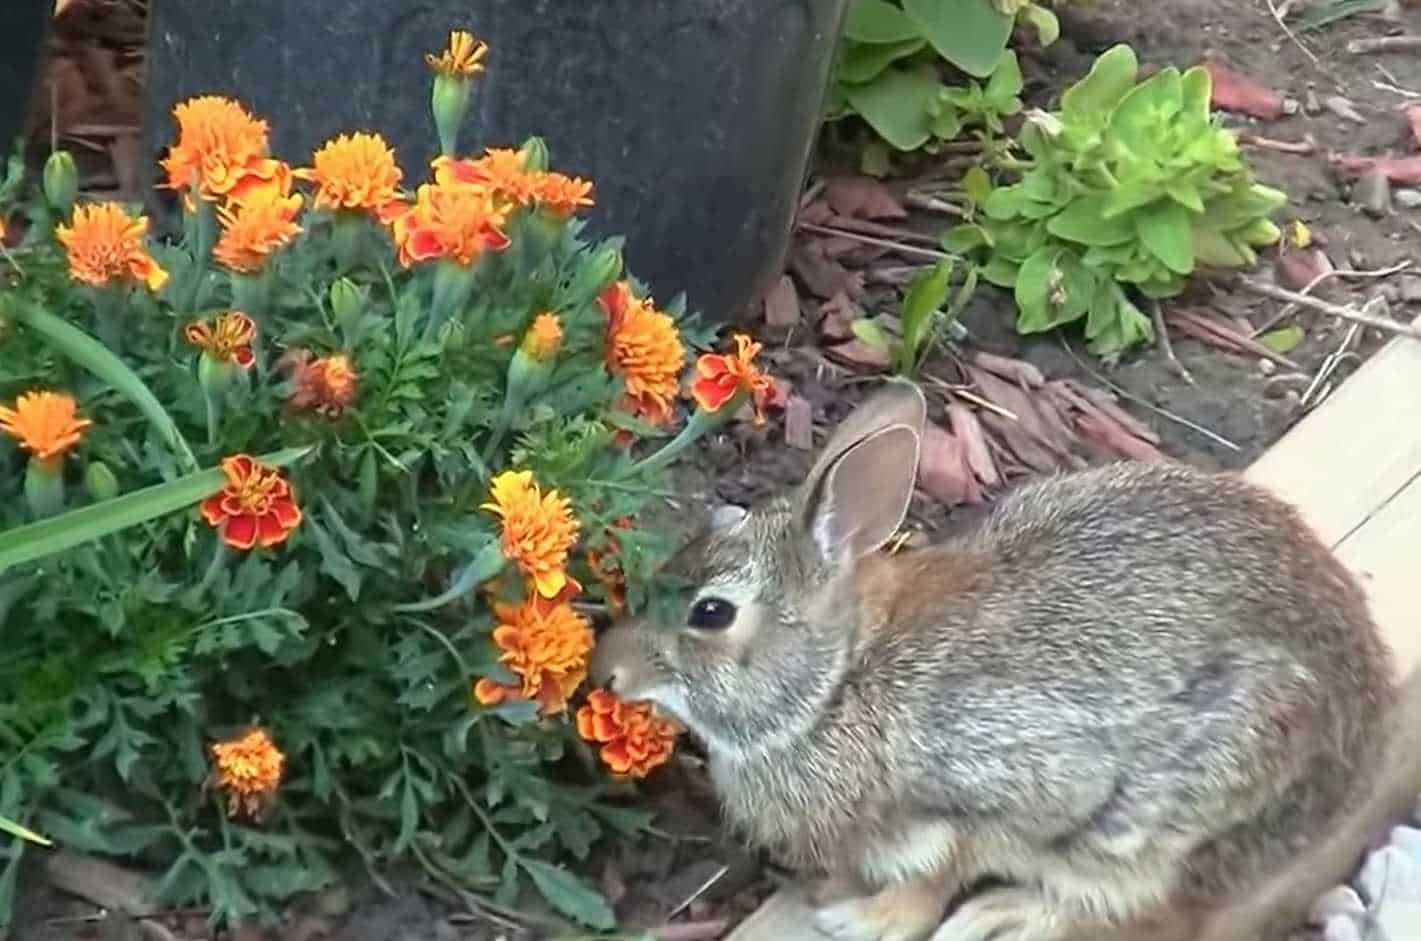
[904, 911]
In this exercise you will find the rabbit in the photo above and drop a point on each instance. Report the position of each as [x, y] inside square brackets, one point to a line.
[1133, 692]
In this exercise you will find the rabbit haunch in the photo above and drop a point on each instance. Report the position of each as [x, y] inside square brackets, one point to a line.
[1132, 689]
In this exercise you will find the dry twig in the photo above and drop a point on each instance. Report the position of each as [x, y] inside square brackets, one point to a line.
[1384, 44]
[870, 240]
[1165, 345]
[1362, 317]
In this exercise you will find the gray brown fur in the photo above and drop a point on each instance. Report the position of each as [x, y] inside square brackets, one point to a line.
[1133, 688]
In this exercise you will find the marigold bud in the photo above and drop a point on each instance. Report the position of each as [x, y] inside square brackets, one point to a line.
[347, 302]
[61, 181]
[604, 268]
[214, 375]
[100, 482]
[544, 337]
[44, 486]
[450, 103]
[535, 155]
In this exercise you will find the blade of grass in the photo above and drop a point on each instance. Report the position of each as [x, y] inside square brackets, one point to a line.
[22, 832]
[1328, 13]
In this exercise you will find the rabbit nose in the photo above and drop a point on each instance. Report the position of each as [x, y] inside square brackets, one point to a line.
[608, 668]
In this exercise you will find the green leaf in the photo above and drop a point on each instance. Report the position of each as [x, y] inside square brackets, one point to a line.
[1005, 84]
[1092, 98]
[895, 105]
[58, 533]
[99, 360]
[925, 297]
[487, 563]
[570, 895]
[1084, 222]
[970, 34]
[22, 832]
[977, 184]
[864, 63]
[961, 239]
[1167, 231]
[1048, 27]
[871, 332]
[1283, 340]
[877, 21]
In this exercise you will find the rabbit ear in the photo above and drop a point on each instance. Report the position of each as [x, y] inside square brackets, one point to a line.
[857, 493]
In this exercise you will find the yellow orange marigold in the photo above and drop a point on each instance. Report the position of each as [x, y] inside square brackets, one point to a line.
[258, 224]
[327, 386]
[538, 529]
[356, 172]
[644, 348]
[248, 768]
[500, 170]
[44, 423]
[221, 148]
[560, 194]
[256, 506]
[449, 220]
[544, 337]
[634, 739]
[105, 244]
[227, 340]
[463, 57]
[546, 645]
[721, 377]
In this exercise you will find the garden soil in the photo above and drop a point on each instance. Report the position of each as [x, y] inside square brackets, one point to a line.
[691, 882]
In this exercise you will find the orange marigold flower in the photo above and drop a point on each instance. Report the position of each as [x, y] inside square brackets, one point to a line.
[104, 243]
[229, 339]
[450, 220]
[356, 172]
[44, 423]
[249, 769]
[256, 507]
[634, 739]
[720, 377]
[463, 57]
[538, 529]
[256, 225]
[544, 337]
[501, 170]
[326, 386]
[560, 194]
[644, 348]
[546, 644]
[220, 150]
[606, 566]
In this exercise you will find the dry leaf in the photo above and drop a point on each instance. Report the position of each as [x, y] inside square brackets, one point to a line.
[1235, 92]
[799, 423]
[782, 304]
[966, 428]
[862, 197]
[943, 471]
[1296, 270]
[1018, 371]
[836, 317]
[816, 213]
[1344, 109]
[858, 354]
[1113, 437]
[1405, 170]
[1032, 413]
[820, 275]
[1413, 117]
[1105, 401]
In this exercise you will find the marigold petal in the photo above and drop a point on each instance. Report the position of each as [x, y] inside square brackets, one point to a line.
[240, 532]
[212, 510]
[489, 693]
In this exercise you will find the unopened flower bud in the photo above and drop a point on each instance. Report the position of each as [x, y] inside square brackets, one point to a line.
[605, 268]
[544, 337]
[61, 181]
[535, 155]
[99, 482]
[44, 487]
[347, 302]
[450, 104]
[214, 375]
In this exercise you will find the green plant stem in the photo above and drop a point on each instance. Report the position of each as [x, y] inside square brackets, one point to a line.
[108, 304]
[219, 556]
[700, 423]
[251, 292]
[93, 356]
[453, 283]
[347, 236]
[202, 232]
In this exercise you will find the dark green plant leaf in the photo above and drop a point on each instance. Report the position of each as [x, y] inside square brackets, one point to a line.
[570, 895]
[864, 63]
[895, 105]
[970, 34]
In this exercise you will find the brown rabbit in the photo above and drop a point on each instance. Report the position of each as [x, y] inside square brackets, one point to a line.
[1133, 692]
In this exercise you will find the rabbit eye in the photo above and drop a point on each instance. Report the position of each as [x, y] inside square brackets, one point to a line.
[711, 614]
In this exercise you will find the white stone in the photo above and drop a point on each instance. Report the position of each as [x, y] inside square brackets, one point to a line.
[1341, 928]
[1398, 921]
[1341, 900]
[1390, 874]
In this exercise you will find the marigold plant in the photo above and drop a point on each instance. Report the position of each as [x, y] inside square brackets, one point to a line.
[307, 513]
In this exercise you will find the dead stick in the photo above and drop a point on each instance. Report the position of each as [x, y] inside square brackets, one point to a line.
[1384, 44]
[1280, 146]
[1323, 307]
[1165, 346]
[868, 227]
[870, 240]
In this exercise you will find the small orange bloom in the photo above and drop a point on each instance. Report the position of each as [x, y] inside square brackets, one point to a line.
[221, 149]
[256, 507]
[544, 337]
[545, 644]
[463, 57]
[606, 566]
[562, 195]
[356, 172]
[44, 423]
[500, 170]
[104, 243]
[723, 376]
[326, 386]
[538, 529]
[229, 339]
[249, 769]
[644, 348]
[255, 226]
[450, 220]
[634, 739]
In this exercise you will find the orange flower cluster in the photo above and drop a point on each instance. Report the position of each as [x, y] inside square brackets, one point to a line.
[538, 529]
[221, 151]
[229, 339]
[256, 507]
[258, 223]
[463, 58]
[449, 220]
[634, 739]
[606, 566]
[44, 423]
[249, 769]
[545, 644]
[356, 173]
[503, 171]
[721, 377]
[544, 337]
[105, 244]
[326, 386]
[644, 348]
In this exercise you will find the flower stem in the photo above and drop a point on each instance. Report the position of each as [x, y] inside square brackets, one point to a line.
[453, 283]
[202, 232]
[107, 301]
[251, 292]
[700, 423]
[219, 556]
[347, 238]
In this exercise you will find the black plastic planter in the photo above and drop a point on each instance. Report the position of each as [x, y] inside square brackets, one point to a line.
[695, 118]
[22, 29]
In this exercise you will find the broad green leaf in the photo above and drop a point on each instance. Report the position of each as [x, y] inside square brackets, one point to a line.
[878, 21]
[962, 239]
[1186, 194]
[1005, 84]
[1167, 231]
[1137, 118]
[1034, 284]
[895, 105]
[1084, 222]
[925, 297]
[1260, 232]
[1196, 92]
[970, 34]
[1091, 99]
[1283, 340]
[487, 563]
[862, 63]
[1131, 196]
[570, 895]
[977, 184]
[1044, 21]
[58, 533]
[871, 332]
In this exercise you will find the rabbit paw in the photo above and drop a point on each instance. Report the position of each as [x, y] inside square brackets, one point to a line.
[1002, 915]
[901, 913]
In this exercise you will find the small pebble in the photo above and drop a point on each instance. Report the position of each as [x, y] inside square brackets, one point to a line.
[1291, 106]
[1398, 921]
[1266, 367]
[1341, 928]
[1311, 104]
[1372, 194]
[1344, 108]
[1390, 874]
[1407, 198]
[1342, 900]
